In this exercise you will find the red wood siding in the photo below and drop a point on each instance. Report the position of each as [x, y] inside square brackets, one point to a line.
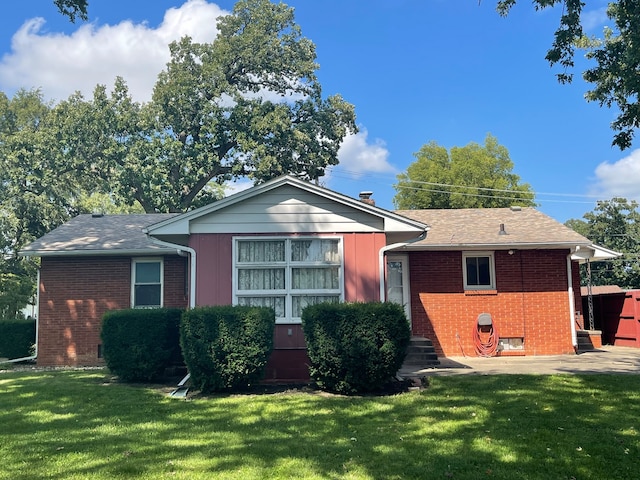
[361, 267]
[214, 268]
[530, 301]
[74, 294]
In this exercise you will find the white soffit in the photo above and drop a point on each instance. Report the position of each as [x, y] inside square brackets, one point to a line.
[594, 253]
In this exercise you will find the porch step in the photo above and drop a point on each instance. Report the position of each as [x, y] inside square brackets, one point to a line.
[421, 353]
[586, 340]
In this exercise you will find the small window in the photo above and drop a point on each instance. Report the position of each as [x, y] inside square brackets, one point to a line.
[146, 280]
[478, 271]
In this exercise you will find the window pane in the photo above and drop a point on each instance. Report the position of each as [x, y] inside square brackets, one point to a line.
[315, 278]
[277, 303]
[478, 271]
[484, 275]
[260, 251]
[147, 296]
[315, 250]
[300, 302]
[261, 279]
[147, 272]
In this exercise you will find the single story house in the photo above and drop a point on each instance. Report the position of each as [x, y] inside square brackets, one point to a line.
[288, 243]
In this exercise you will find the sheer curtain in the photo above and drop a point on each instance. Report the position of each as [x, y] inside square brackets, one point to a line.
[288, 274]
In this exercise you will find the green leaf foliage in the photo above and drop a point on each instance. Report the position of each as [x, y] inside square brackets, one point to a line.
[17, 337]
[355, 347]
[246, 105]
[226, 347]
[73, 9]
[616, 57]
[139, 344]
[614, 224]
[473, 176]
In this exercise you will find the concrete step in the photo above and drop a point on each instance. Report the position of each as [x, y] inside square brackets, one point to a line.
[421, 353]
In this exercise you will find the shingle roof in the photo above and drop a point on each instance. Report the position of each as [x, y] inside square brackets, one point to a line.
[469, 227]
[99, 234]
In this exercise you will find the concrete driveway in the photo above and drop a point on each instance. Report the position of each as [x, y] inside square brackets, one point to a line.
[607, 359]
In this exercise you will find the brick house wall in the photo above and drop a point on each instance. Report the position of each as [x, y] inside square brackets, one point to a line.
[75, 292]
[530, 301]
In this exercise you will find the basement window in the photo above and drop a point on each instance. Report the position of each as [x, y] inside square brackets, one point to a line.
[512, 343]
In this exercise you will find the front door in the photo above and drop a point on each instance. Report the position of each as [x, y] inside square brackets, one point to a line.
[398, 282]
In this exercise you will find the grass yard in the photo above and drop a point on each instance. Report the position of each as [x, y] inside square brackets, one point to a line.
[82, 424]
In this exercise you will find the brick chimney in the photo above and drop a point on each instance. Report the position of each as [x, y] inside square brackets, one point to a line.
[366, 198]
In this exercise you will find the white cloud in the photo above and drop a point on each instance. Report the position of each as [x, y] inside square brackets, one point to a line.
[619, 179]
[60, 64]
[359, 157]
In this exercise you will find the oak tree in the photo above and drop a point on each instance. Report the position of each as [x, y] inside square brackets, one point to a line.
[246, 105]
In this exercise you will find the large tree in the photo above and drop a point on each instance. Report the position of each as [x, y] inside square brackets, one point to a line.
[616, 57]
[466, 177]
[246, 105]
[614, 224]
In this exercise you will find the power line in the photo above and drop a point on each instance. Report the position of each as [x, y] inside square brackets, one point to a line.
[350, 174]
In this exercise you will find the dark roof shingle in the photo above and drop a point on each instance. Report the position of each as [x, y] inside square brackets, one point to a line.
[98, 234]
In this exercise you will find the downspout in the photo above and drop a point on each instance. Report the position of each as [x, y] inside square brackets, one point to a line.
[572, 300]
[393, 246]
[35, 353]
[181, 250]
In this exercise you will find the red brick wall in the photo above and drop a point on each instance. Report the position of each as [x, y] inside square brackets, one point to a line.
[530, 301]
[74, 294]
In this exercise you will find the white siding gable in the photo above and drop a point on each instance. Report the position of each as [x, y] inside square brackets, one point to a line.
[287, 209]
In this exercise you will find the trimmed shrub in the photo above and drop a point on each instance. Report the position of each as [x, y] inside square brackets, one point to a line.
[226, 348]
[17, 336]
[355, 347]
[139, 344]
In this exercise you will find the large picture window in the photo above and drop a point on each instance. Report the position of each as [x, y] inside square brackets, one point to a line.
[287, 274]
[478, 271]
[146, 282]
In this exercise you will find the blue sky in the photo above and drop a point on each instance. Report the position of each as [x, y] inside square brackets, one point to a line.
[448, 71]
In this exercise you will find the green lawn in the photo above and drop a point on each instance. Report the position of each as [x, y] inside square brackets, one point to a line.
[82, 424]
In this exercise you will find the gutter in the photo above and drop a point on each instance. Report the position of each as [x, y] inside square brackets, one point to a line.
[393, 246]
[35, 354]
[182, 250]
[572, 300]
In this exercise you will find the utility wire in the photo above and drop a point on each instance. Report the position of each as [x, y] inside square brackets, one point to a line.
[349, 174]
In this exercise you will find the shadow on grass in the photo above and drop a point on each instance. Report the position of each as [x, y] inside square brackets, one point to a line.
[82, 425]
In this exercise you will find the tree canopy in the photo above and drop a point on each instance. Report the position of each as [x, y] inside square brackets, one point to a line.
[616, 56]
[614, 224]
[472, 176]
[246, 105]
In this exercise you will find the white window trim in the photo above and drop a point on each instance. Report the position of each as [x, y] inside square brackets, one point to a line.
[133, 279]
[492, 270]
[288, 293]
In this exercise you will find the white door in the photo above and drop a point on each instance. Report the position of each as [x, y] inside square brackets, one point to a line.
[398, 282]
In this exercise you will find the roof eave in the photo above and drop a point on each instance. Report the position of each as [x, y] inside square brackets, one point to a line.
[91, 253]
[496, 246]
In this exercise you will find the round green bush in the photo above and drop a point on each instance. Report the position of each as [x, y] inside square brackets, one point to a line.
[226, 347]
[139, 344]
[355, 347]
